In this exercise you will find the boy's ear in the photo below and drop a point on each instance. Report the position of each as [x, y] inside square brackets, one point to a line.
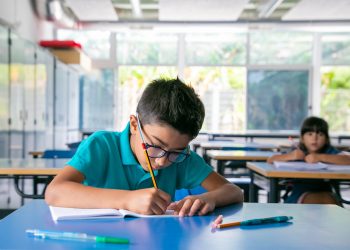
[133, 124]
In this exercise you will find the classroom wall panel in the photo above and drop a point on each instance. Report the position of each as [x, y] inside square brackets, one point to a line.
[17, 113]
[60, 105]
[4, 92]
[43, 100]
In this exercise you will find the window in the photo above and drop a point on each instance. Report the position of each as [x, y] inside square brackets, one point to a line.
[277, 100]
[216, 49]
[132, 81]
[336, 49]
[222, 90]
[95, 43]
[335, 101]
[146, 49]
[277, 47]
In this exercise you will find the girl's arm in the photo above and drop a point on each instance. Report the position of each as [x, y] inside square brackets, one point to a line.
[296, 154]
[339, 159]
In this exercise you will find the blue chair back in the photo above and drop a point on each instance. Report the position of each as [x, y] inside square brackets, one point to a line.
[48, 154]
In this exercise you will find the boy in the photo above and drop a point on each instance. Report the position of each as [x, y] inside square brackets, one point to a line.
[109, 169]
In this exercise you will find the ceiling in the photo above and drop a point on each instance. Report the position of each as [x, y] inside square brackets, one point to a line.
[90, 11]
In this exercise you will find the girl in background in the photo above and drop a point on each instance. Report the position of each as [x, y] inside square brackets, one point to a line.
[314, 146]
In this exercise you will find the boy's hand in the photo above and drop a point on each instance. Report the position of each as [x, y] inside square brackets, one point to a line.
[312, 158]
[148, 201]
[192, 205]
[297, 154]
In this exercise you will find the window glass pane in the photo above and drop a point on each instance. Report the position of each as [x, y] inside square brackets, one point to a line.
[335, 97]
[95, 43]
[273, 47]
[277, 100]
[146, 48]
[132, 81]
[216, 49]
[336, 49]
[222, 90]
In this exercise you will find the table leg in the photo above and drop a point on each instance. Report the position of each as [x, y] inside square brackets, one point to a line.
[253, 190]
[274, 194]
[221, 167]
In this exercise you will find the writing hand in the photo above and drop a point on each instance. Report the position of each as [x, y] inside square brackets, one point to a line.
[192, 205]
[148, 201]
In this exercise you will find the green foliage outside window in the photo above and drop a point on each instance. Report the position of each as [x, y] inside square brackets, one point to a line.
[335, 101]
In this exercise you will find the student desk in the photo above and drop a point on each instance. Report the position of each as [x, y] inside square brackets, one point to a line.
[221, 156]
[313, 227]
[227, 145]
[33, 168]
[252, 135]
[261, 172]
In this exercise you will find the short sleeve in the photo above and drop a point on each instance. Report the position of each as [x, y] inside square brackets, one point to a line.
[90, 154]
[192, 172]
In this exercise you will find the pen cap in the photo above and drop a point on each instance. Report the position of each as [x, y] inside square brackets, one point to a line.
[113, 240]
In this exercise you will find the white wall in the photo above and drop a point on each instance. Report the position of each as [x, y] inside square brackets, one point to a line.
[20, 16]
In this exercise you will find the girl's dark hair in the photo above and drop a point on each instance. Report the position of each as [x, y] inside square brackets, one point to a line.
[172, 102]
[318, 125]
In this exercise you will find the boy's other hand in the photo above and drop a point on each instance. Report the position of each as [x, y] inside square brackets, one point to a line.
[192, 205]
[148, 201]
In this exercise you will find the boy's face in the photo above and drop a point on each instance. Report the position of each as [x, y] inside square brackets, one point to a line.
[160, 135]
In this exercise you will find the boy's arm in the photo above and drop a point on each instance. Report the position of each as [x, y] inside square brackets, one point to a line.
[220, 193]
[67, 190]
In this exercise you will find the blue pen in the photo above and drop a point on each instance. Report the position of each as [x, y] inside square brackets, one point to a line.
[56, 235]
[277, 219]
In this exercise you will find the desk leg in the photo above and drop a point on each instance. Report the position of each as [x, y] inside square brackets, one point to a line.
[221, 167]
[205, 157]
[274, 194]
[253, 190]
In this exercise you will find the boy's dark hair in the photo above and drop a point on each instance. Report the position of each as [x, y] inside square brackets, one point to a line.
[172, 102]
[315, 124]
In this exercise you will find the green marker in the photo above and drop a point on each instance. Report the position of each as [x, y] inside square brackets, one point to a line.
[56, 235]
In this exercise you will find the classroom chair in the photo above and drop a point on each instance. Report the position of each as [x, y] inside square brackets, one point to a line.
[55, 154]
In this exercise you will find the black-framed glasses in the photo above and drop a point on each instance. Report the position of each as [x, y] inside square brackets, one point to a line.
[154, 151]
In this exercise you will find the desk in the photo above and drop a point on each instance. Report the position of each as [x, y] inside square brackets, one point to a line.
[22, 168]
[273, 176]
[236, 155]
[285, 147]
[330, 232]
[227, 145]
[252, 135]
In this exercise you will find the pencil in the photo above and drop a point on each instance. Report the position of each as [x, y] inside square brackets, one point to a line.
[149, 166]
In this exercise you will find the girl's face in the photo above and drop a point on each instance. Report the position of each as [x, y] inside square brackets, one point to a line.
[314, 141]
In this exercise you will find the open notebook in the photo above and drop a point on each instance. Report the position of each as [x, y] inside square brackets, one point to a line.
[64, 213]
[303, 166]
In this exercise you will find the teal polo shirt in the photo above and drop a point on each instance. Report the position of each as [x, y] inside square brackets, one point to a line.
[107, 161]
